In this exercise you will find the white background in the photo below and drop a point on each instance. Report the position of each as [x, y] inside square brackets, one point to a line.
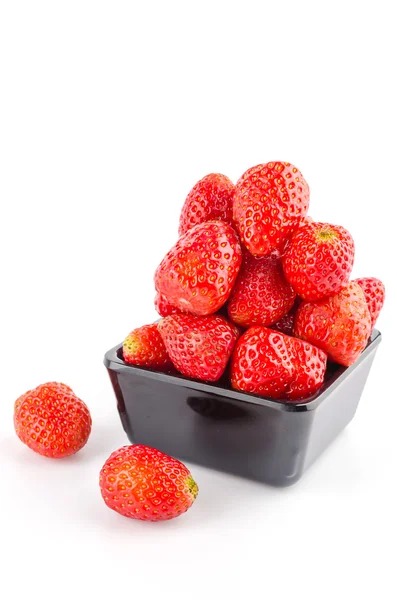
[109, 113]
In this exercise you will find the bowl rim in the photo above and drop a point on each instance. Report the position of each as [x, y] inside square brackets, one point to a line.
[113, 362]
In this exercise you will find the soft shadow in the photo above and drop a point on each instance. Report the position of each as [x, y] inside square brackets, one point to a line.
[217, 410]
[336, 468]
[104, 439]
[220, 495]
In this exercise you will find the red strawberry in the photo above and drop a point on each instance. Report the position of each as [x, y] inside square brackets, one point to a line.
[261, 294]
[275, 365]
[269, 203]
[52, 420]
[286, 323]
[310, 364]
[199, 347]
[279, 252]
[374, 292]
[198, 273]
[163, 307]
[144, 347]
[210, 199]
[340, 324]
[140, 482]
[222, 312]
[319, 260]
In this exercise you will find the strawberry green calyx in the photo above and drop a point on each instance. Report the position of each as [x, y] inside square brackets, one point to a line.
[327, 235]
[193, 487]
[131, 344]
[144, 347]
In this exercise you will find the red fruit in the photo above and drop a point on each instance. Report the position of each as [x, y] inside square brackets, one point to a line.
[319, 260]
[261, 294]
[286, 323]
[283, 247]
[374, 292]
[199, 347]
[143, 483]
[210, 199]
[52, 420]
[198, 273]
[340, 324]
[310, 365]
[275, 365]
[144, 347]
[222, 312]
[163, 307]
[269, 203]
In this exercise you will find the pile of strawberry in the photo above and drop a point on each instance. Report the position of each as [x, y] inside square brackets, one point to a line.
[255, 292]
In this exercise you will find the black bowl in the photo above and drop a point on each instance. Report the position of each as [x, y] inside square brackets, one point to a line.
[245, 434]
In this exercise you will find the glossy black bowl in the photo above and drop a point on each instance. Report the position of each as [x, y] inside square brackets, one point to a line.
[245, 434]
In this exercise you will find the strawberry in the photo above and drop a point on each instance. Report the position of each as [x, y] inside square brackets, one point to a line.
[286, 323]
[143, 483]
[52, 420]
[210, 199]
[261, 295]
[318, 260]
[310, 365]
[144, 347]
[281, 250]
[268, 204]
[272, 364]
[339, 324]
[374, 292]
[222, 312]
[199, 347]
[198, 273]
[163, 307]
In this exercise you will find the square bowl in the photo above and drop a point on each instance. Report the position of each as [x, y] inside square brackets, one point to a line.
[245, 434]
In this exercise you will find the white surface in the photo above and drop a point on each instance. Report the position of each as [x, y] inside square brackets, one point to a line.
[109, 113]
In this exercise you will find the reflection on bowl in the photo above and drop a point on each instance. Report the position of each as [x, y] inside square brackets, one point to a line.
[218, 410]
